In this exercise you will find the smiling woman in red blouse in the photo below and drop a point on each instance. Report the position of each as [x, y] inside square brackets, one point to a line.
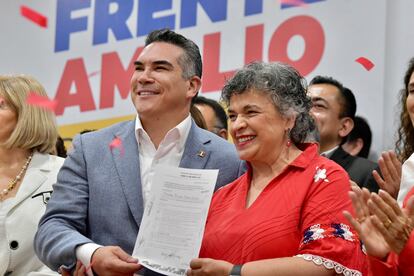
[284, 215]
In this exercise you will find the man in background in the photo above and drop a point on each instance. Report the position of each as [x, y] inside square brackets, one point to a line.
[359, 139]
[214, 115]
[334, 109]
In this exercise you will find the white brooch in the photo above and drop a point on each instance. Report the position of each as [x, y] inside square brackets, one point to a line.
[320, 174]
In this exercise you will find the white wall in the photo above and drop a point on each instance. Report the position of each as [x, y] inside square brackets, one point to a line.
[399, 49]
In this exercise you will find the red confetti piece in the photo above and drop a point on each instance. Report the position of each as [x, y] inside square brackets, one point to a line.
[93, 74]
[34, 16]
[296, 3]
[41, 101]
[368, 65]
[117, 143]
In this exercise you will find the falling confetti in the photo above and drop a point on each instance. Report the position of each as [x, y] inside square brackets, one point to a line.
[34, 16]
[368, 65]
[41, 101]
[293, 3]
[117, 143]
[93, 74]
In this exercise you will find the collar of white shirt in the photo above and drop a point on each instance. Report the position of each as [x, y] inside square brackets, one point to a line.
[178, 135]
[329, 153]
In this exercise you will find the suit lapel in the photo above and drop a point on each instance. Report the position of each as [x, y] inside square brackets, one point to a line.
[35, 176]
[342, 158]
[195, 154]
[126, 159]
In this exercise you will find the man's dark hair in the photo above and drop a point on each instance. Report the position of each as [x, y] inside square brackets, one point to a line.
[60, 148]
[361, 130]
[190, 62]
[347, 99]
[221, 115]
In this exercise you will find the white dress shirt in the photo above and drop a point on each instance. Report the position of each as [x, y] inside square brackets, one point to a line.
[169, 152]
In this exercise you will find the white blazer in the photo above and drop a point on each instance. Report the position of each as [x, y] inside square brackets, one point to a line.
[407, 179]
[17, 256]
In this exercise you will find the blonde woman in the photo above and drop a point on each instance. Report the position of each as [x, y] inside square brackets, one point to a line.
[27, 173]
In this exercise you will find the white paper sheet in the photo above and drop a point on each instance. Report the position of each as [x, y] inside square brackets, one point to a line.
[173, 223]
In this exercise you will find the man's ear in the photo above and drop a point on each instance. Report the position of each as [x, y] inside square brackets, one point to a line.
[347, 124]
[194, 86]
[223, 133]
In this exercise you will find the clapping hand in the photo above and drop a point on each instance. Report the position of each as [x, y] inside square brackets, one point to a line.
[372, 238]
[391, 170]
[394, 223]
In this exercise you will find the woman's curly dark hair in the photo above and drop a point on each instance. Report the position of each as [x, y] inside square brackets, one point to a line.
[405, 142]
[286, 88]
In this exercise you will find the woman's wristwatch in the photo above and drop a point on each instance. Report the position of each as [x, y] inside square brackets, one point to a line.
[236, 270]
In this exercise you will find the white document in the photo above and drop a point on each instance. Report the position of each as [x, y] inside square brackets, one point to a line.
[173, 223]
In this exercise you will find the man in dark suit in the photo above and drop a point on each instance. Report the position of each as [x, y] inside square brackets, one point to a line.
[334, 109]
[97, 205]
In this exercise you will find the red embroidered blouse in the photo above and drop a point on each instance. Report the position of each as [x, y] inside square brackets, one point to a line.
[299, 213]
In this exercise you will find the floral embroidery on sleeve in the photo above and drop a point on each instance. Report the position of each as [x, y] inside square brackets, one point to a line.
[334, 230]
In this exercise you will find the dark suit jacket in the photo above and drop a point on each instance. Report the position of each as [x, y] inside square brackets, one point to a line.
[359, 169]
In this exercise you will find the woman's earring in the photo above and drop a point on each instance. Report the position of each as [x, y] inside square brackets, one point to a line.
[289, 142]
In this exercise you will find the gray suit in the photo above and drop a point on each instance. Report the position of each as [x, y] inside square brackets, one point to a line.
[98, 196]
